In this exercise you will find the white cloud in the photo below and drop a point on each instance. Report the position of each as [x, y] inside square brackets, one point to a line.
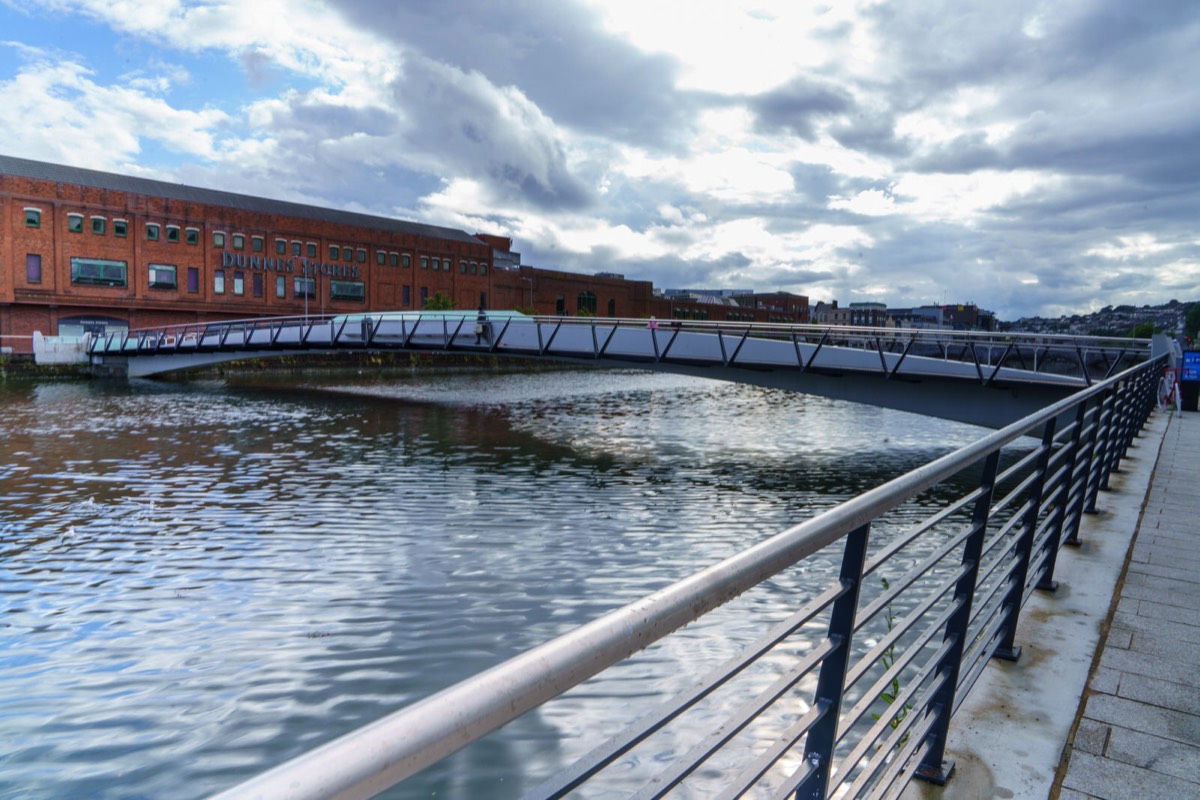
[1014, 152]
[1130, 248]
[67, 117]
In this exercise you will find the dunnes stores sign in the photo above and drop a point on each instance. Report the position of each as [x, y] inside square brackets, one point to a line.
[294, 264]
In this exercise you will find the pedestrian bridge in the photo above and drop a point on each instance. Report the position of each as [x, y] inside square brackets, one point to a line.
[980, 378]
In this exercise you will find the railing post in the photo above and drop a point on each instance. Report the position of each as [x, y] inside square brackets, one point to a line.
[1007, 648]
[1058, 514]
[1124, 428]
[1098, 472]
[821, 739]
[1082, 472]
[934, 768]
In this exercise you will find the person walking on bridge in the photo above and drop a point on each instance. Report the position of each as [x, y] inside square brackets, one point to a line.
[481, 326]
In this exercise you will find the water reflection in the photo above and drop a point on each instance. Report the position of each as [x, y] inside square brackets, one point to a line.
[198, 581]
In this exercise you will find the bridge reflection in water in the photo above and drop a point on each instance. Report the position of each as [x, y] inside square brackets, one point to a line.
[851, 696]
[982, 379]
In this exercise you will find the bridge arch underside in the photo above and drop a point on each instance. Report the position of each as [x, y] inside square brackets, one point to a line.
[968, 400]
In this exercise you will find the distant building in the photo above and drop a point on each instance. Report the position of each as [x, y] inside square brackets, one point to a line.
[928, 317]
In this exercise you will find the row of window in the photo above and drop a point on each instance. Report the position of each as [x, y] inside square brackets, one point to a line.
[154, 232]
[103, 272]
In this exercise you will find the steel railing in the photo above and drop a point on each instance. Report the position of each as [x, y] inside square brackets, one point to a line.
[850, 696]
[1087, 357]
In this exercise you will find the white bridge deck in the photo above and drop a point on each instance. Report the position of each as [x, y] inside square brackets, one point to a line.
[985, 379]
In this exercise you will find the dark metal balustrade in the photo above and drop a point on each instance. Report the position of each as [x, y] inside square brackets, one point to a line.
[851, 696]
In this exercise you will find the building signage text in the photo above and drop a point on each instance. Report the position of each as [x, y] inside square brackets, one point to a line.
[295, 264]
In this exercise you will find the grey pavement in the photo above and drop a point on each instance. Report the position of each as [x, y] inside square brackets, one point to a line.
[1105, 699]
[1138, 730]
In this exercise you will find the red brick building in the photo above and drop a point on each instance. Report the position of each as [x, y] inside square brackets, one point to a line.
[82, 250]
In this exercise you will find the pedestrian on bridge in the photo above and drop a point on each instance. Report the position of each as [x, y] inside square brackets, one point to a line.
[481, 326]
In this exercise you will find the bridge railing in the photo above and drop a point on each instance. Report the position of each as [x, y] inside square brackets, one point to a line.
[851, 695]
[987, 353]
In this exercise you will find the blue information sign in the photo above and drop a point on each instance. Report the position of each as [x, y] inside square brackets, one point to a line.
[1191, 366]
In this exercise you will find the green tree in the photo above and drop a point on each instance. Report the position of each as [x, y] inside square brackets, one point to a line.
[1191, 323]
[1143, 330]
[439, 301]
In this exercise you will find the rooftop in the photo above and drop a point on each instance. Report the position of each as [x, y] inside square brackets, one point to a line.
[59, 173]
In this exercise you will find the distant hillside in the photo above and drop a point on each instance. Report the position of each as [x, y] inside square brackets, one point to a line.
[1170, 318]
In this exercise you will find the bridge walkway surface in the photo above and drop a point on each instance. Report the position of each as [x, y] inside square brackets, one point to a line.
[1105, 699]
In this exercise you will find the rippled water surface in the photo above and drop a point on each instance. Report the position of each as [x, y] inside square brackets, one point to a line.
[198, 581]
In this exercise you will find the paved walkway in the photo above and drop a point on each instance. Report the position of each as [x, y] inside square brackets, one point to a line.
[1138, 730]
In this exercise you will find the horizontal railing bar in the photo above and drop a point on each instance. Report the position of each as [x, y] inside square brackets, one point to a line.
[914, 533]
[918, 571]
[737, 722]
[756, 769]
[913, 687]
[908, 655]
[603, 755]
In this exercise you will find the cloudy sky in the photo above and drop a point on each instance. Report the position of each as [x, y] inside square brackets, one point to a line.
[1030, 156]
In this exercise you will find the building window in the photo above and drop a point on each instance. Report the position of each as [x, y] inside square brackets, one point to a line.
[406, 295]
[75, 223]
[98, 224]
[311, 249]
[162, 276]
[295, 248]
[152, 231]
[98, 272]
[483, 269]
[462, 266]
[424, 295]
[219, 282]
[347, 290]
[172, 233]
[406, 260]
[239, 283]
[360, 255]
[120, 228]
[193, 279]
[33, 268]
[256, 244]
[381, 257]
[474, 267]
[304, 287]
[219, 239]
[435, 264]
[612, 307]
[192, 236]
[586, 301]
[257, 280]
[424, 262]
[281, 247]
[33, 218]
[335, 252]
[239, 241]
[394, 259]
[280, 286]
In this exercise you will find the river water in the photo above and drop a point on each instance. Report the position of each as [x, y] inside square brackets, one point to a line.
[198, 581]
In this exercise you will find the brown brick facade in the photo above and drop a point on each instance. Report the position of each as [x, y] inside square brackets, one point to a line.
[80, 248]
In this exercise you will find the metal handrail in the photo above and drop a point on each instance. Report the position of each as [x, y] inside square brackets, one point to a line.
[986, 353]
[969, 590]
